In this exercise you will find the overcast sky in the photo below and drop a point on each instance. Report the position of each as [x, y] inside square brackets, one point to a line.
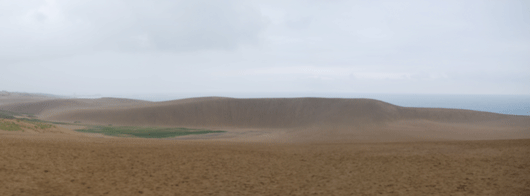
[211, 47]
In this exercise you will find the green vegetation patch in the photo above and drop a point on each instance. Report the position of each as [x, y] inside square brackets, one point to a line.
[38, 124]
[43, 126]
[36, 121]
[11, 115]
[31, 120]
[9, 126]
[145, 132]
[7, 114]
[59, 123]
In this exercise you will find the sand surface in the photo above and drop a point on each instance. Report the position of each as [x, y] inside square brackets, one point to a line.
[288, 120]
[63, 165]
[304, 146]
[50, 107]
[14, 97]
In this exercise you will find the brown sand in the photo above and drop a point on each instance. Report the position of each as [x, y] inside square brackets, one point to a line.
[288, 120]
[275, 113]
[304, 146]
[309, 119]
[60, 165]
[57, 106]
[14, 97]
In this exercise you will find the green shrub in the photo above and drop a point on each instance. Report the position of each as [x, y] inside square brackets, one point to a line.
[6, 115]
[43, 126]
[9, 126]
[38, 124]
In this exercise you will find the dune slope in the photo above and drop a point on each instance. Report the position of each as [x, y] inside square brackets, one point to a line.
[277, 113]
[313, 119]
[251, 113]
[56, 106]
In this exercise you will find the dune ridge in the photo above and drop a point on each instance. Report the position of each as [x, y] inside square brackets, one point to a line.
[277, 113]
[289, 119]
[17, 97]
[56, 106]
[301, 146]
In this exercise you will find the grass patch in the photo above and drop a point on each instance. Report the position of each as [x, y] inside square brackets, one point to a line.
[31, 120]
[145, 132]
[9, 126]
[59, 123]
[11, 115]
[7, 114]
[34, 120]
[38, 124]
[43, 126]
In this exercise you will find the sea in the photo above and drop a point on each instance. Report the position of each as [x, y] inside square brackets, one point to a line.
[503, 104]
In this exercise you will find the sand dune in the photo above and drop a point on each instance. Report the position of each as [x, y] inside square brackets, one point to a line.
[304, 146]
[276, 113]
[15, 97]
[288, 119]
[247, 113]
[301, 119]
[56, 106]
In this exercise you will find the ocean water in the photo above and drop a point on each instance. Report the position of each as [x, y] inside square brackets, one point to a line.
[504, 104]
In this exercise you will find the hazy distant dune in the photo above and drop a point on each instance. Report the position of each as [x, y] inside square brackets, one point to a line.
[55, 106]
[272, 113]
[313, 119]
[293, 119]
[17, 97]
[255, 113]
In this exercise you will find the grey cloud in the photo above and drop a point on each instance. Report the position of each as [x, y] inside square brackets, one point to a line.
[385, 46]
[62, 27]
[196, 25]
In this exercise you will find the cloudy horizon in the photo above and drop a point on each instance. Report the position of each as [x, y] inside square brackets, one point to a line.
[117, 47]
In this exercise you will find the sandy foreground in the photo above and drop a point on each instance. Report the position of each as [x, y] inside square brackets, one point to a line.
[70, 164]
[301, 146]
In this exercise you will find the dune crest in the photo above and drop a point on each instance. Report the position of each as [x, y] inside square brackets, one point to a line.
[289, 119]
[56, 106]
[273, 113]
[312, 119]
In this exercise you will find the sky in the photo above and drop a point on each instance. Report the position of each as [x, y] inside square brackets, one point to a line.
[229, 47]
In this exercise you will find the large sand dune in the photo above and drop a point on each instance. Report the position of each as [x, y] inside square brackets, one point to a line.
[16, 97]
[278, 113]
[330, 147]
[290, 120]
[45, 108]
